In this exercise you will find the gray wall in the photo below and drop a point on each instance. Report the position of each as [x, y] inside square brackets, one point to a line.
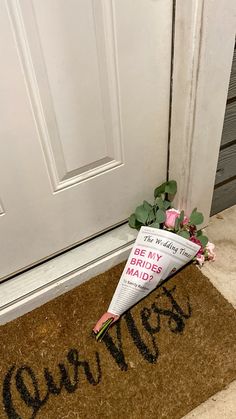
[225, 183]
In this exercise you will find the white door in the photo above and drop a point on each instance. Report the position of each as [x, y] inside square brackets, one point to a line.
[84, 108]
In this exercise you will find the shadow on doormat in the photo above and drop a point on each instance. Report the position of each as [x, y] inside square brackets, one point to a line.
[169, 353]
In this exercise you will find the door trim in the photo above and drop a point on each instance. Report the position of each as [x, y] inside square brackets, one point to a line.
[64, 272]
[203, 50]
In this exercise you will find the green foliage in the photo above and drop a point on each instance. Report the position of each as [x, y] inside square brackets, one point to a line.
[196, 217]
[151, 216]
[160, 216]
[171, 187]
[155, 225]
[203, 240]
[159, 190]
[166, 188]
[147, 206]
[159, 203]
[166, 204]
[154, 215]
[181, 217]
[141, 214]
[185, 234]
[132, 221]
[177, 224]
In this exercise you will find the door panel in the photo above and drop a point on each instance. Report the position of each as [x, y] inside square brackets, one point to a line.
[85, 107]
[73, 53]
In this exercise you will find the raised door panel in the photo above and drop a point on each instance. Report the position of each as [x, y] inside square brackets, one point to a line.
[69, 58]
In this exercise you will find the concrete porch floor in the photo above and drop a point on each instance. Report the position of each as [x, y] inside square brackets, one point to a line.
[222, 273]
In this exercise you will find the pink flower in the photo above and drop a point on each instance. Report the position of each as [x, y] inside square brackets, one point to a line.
[200, 259]
[186, 220]
[171, 215]
[210, 251]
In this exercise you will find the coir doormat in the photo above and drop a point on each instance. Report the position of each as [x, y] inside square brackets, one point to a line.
[165, 356]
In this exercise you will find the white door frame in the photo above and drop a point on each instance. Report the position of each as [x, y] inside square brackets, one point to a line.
[204, 34]
[204, 38]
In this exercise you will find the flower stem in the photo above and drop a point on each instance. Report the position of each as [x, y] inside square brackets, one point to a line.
[104, 329]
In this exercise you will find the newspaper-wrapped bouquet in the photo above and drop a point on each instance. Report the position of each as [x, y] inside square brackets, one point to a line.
[167, 240]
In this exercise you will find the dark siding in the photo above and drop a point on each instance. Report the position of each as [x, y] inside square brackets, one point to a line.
[225, 183]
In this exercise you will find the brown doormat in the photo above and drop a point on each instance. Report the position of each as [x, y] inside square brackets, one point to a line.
[168, 354]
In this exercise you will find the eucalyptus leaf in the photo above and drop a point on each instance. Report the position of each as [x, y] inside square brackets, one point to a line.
[181, 217]
[155, 225]
[177, 223]
[185, 234]
[166, 204]
[196, 218]
[160, 216]
[132, 221]
[151, 216]
[203, 240]
[171, 187]
[160, 203]
[141, 214]
[160, 190]
[147, 205]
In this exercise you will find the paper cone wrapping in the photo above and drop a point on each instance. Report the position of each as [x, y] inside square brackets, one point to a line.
[155, 255]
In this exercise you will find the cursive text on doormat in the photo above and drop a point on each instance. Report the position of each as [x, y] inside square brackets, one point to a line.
[19, 377]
